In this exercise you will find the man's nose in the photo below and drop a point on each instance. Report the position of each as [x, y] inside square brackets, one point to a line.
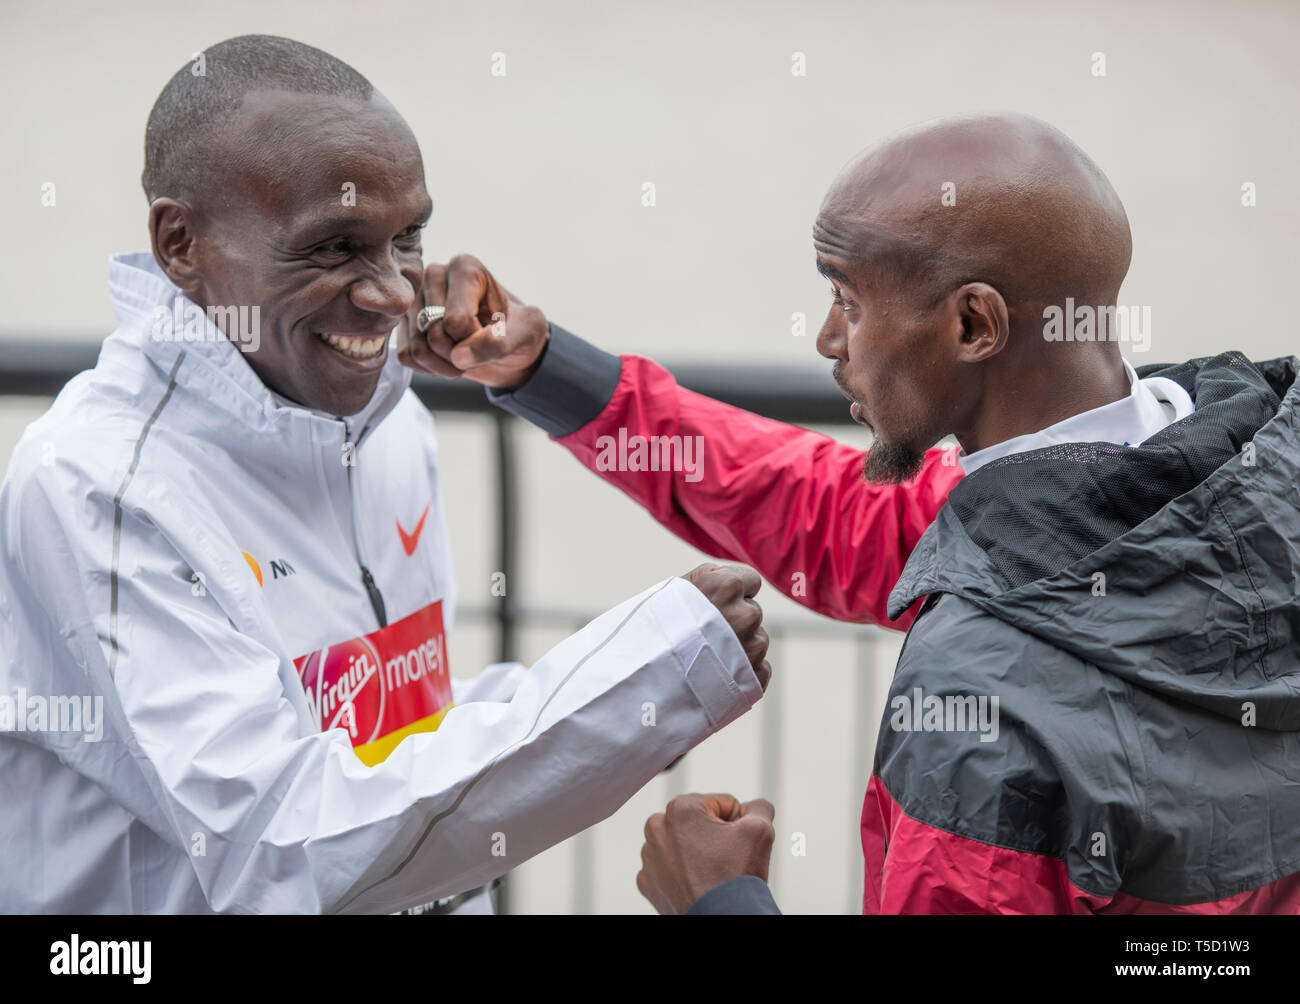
[386, 291]
[832, 338]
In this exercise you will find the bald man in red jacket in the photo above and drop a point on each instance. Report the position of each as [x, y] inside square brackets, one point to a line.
[794, 504]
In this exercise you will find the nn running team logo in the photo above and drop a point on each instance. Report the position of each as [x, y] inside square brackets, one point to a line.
[280, 568]
[383, 686]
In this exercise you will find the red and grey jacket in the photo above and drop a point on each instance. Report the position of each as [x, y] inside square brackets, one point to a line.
[1095, 711]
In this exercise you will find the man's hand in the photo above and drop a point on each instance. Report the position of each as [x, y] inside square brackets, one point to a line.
[731, 589]
[488, 335]
[699, 842]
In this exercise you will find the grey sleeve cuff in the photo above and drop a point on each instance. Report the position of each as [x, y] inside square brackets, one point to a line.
[573, 384]
[746, 894]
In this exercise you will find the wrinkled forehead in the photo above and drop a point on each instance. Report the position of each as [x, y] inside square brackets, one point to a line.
[296, 153]
[855, 246]
[861, 217]
[880, 212]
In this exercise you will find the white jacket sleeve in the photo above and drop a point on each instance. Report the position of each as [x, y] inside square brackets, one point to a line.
[289, 820]
[496, 682]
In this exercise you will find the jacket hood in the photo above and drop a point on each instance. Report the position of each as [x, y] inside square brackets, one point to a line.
[234, 396]
[1174, 564]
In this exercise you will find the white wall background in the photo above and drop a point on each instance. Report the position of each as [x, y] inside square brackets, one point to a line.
[539, 172]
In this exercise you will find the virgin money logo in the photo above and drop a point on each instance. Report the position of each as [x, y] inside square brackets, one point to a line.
[345, 689]
[382, 685]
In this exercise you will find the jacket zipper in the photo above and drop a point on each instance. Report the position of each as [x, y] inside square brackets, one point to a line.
[367, 580]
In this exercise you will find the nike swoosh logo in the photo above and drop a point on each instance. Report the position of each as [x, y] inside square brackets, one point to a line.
[411, 540]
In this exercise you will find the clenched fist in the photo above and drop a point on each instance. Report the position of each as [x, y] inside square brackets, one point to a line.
[731, 588]
[699, 842]
[488, 335]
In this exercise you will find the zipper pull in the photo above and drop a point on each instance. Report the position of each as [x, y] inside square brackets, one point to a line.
[376, 600]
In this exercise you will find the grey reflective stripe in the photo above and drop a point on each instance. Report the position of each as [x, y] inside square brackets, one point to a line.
[117, 515]
[483, 773]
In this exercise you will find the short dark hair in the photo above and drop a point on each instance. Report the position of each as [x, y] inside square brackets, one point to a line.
[192, 106]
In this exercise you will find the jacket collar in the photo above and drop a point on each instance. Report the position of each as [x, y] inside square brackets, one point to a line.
[1028, 517]
[1151, 405]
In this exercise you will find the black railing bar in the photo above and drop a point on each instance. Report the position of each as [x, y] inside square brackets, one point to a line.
[800, 393]
[528, 616]
[771, 756]
[507, 535]
[508, 565]
[864, 685]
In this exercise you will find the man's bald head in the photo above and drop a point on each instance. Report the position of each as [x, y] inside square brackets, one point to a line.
[1027, 211]
[182, 148]
[945, 245]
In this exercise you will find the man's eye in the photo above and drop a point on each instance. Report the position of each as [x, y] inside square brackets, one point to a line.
[411, 233]
[335, 249]
[838, 298]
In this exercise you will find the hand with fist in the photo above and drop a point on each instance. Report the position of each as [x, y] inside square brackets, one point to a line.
[699, 842]
[731, 588]
[487, 335]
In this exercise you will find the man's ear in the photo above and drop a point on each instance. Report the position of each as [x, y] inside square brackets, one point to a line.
[174, 238]
[985, 322]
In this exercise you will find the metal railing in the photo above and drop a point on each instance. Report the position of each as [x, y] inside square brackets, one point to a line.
[40, 368]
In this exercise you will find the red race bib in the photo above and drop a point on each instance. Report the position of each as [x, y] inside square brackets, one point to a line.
[383, 686]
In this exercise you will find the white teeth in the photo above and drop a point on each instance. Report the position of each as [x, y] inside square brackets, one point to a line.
[356, 348]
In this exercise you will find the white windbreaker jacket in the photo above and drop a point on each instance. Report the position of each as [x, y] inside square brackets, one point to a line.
[203, 707]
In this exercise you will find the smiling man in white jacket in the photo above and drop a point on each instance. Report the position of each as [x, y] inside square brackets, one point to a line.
[225, 584]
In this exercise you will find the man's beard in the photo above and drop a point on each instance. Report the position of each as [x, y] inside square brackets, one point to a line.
[891, 464]
[885, 463]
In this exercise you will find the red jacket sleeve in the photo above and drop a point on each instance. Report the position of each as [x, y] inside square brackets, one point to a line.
[788, 501]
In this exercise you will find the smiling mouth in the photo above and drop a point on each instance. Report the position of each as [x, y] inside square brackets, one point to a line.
[355, 346]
